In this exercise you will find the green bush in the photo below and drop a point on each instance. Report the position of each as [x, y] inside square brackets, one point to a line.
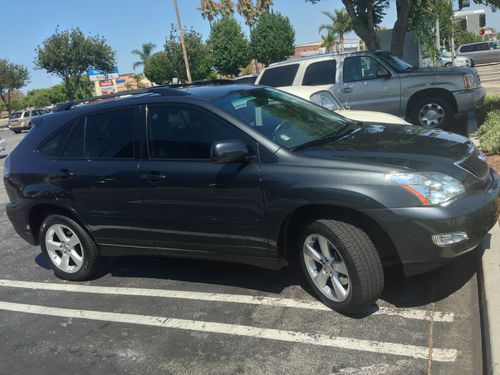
[491, 103]
[489, 133]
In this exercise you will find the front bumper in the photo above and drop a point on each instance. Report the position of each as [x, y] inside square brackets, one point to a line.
[468, 100]
[411, 229]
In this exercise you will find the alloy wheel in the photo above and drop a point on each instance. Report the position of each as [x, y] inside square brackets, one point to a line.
[64, 248]
[431, 115]
[326, 267]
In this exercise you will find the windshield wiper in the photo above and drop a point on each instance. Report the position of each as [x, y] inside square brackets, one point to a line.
[342, 132]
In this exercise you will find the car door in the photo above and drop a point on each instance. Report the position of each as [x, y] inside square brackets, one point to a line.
[368, 85]
[98, 175]
[191, 203]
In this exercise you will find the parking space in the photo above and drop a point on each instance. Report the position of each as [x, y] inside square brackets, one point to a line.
[171, 316]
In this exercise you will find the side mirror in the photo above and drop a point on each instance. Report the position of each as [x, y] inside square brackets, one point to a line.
[383, 73]
[229, 151]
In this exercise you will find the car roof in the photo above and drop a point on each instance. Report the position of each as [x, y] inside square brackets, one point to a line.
[319, 56]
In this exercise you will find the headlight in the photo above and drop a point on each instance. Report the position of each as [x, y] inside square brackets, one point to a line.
[430, 187]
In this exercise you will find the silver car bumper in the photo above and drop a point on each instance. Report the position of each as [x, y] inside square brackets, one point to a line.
[468, 100]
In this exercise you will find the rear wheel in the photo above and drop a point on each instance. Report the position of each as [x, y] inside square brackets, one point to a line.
[431, 112]
[71, 252]
[17, 131]
[342, 265]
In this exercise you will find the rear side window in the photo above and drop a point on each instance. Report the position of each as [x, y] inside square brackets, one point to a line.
[14, 115]
[74, 146]
[110, 135]
[26, 114]
[279, 76]
[320, 73]
[55, 144]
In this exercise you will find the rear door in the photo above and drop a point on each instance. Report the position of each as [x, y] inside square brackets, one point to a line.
[98, 174]
[363, 87]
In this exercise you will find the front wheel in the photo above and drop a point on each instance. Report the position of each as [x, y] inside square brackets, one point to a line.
[342, 265]
[431, 112]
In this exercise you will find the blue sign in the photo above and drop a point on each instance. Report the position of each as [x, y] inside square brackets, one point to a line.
[120, 80]
[95, 72]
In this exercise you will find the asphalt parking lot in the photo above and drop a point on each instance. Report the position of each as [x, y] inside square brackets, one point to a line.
[170, 316]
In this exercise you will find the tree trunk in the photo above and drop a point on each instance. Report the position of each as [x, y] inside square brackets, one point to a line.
[67, 83]
[367, 31]
[399, 31]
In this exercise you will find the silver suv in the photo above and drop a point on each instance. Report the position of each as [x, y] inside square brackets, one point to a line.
[481, 53]
[21, 120]
[379, 81]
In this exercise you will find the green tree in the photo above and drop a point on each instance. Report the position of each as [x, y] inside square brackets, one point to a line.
[228, 46]
[340, 24]
[273, 38]
[69, 54]
[12, 78]
[464, 37]
[329, 40]
[158, 69]
[251, 11]
[144, 54]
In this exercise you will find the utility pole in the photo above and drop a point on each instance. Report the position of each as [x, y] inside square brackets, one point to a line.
[183, 44]
[452, 38]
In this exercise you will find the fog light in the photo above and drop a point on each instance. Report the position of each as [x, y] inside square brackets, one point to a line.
[447, 239]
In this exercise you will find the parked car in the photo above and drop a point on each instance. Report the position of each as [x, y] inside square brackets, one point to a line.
[447, 61]
[326, 99]
[252, 175]
[481, 53]
[22, 120]
[381, 82]
[248, 79]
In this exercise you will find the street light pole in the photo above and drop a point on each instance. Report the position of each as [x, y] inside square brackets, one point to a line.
[452, 38]
[183, 44]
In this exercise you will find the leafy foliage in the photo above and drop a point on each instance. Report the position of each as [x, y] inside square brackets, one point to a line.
[12, 78]
[228, 46]
[158, 69]
[273, 38]
[144, 54]
[489, 133]
[68, 54]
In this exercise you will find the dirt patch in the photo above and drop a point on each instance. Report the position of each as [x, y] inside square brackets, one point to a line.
[494, 162]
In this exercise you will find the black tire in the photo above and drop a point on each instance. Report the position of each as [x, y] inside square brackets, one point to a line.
[366, 275]
[89, 249]
[442, 102]
[472, 63]
[447, 65]
[17, 131]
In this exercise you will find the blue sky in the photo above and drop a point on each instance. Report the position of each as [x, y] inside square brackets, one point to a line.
[126, 24]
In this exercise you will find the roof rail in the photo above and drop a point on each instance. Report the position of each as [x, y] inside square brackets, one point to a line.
[160, 90]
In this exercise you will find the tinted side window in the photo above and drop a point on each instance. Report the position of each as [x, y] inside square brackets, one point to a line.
[55, 144]
[279, 76]
[26, 114]
[320, 73]
[74, 145]
[360, 68]
[110, 135]
[184, 132]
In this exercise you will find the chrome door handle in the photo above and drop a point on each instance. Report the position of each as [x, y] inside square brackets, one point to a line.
[347, 89]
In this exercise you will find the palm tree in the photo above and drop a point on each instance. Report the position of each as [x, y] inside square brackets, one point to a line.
[144, 54]
[329, 40]
[226, 7]
[341, 24]
[209, 10]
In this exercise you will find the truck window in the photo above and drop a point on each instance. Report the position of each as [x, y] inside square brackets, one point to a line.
[279, 76]
[360, 68]
[320, 73]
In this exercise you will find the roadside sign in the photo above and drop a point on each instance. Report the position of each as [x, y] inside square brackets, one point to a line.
[97, 75]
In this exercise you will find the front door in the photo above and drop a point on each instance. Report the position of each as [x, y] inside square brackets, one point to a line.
[99, 176]
[191, 203]
[365, 86]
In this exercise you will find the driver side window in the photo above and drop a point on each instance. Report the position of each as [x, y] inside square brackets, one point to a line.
[182, 132]
[360, 68]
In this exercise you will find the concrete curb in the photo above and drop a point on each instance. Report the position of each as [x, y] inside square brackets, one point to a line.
[489, 279]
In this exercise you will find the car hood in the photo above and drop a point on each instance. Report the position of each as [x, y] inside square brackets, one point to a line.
[371, 116]
[456, 70]
[401, 146]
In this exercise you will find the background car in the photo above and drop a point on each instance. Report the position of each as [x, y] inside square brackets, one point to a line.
[326, 99]
[21, 120]
[481, 53]
[446, 60]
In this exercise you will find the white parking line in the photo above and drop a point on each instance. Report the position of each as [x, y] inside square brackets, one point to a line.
[440, 355]
[219, 297]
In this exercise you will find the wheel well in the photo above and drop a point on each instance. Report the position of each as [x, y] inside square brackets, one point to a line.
[295, 221]
[441, 93]
[39, 212]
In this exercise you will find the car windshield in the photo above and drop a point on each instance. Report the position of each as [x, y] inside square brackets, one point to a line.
[285, 119]
[14, 115]
[395, 62]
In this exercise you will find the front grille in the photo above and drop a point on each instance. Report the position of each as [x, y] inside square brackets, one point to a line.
[474, 165]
